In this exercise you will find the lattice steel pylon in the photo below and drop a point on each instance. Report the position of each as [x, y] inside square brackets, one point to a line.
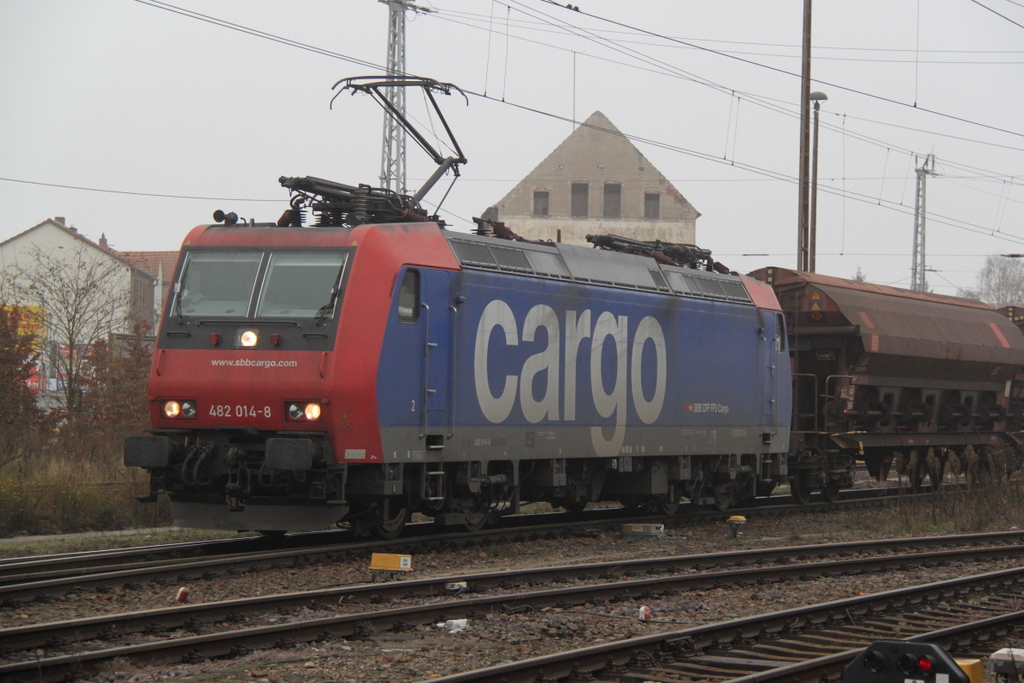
[392, 163]
[918, 283]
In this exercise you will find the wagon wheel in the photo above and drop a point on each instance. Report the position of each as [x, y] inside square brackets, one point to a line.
[800, 489]
[391, 526]
[724, 494]
[831, 490]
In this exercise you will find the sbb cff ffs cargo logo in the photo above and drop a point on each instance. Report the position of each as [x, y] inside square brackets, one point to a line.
[604, 331]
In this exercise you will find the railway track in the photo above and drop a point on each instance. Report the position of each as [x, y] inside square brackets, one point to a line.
[25, 578]
[354, 611]
[970, 617]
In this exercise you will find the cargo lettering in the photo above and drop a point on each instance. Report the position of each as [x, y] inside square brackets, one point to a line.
[609, 394]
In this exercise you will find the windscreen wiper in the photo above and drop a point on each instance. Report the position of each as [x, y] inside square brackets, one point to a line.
[176, 307]
[322, 313]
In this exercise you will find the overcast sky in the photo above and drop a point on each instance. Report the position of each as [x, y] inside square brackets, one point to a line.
[166, 116]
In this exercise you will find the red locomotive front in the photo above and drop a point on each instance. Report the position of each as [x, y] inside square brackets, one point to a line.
[263, 383]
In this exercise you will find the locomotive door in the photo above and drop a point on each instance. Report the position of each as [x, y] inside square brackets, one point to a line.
[438, 335]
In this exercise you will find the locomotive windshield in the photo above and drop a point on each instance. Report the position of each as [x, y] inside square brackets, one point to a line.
[237, 284]
[301, 285]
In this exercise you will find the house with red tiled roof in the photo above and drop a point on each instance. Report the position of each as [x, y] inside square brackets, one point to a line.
[80, 290]
[52, 236]
[159, 264]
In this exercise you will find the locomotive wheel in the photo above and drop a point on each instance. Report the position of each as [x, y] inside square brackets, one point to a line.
[573, 507]
[475, 518]
[669, 509]
[390, 529]
[661, 505]
[476, 512]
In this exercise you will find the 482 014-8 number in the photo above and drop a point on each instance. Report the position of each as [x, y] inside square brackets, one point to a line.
[222, 410]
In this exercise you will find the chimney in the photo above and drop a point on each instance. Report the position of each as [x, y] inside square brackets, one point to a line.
[59, 219]
[103, 241]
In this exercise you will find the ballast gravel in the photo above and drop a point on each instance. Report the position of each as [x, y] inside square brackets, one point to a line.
[423, 653]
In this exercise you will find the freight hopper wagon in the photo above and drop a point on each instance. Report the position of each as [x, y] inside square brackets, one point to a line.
[306, 376]
[1015, 410]
[893, 376]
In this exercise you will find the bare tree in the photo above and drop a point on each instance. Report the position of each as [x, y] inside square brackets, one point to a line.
[85, 295]
[18, 354]
[1000, 282]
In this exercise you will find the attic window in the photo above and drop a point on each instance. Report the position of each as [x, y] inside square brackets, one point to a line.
[612, 200]
[541, 202]
[652, 206]
[580, 199]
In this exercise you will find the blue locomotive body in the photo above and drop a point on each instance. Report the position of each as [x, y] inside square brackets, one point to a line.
[575, 374]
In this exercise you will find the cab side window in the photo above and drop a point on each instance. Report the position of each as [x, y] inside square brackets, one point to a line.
[780, 333]
[409, 297]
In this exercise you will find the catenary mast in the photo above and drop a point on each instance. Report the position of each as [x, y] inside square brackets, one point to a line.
[918, 267]
[392, 165]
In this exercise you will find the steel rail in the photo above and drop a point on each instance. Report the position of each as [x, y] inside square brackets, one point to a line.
[713, 572]
[29, 576]
[48, 581]
[219, 644]
[663, 656]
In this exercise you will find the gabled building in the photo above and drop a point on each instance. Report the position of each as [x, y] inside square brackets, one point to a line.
[597, 182]
[54, 238]
[159, 264]
[77, 292]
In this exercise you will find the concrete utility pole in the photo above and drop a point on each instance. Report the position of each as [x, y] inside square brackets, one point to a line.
[392, 165]
[918, 268]
[804, 260]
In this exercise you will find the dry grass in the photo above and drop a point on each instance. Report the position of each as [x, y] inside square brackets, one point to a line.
[990, 496]
[990, 506]
[24, 546]
[72, 483]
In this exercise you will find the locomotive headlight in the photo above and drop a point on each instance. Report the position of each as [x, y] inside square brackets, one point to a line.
[172, 409]
[248, 338]
[177, 410]
[303, 412]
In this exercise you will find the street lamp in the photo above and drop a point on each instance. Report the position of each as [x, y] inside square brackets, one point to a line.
[817, 97]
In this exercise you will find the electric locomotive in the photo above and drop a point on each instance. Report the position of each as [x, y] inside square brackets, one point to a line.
[375, 365]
